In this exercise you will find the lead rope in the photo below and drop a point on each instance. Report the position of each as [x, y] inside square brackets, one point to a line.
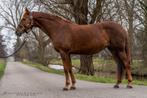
[15, 50]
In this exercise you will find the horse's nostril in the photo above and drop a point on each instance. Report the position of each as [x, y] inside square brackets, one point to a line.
[18, 34]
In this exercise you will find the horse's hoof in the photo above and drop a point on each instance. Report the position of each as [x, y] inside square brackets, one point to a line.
[72, 88]
[129, 86]
[116, 86]
[65, 89]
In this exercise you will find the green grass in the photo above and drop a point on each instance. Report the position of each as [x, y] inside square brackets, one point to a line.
[2, 67]
[99, 64]
[76, 62]
[100, 79]
[103, 65]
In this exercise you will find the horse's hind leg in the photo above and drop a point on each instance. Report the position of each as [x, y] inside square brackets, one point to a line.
[120, 68]
[123, 57]
[120, 72]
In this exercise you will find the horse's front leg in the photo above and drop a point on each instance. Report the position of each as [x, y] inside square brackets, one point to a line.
[67, 70]
[73, 80]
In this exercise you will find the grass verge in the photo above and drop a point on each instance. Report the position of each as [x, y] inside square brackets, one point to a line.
[2, 67]
[83, 77]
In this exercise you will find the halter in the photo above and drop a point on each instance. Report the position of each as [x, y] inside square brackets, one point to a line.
[31, 18]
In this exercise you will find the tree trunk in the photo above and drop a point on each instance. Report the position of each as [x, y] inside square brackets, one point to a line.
[144, 52]
[86, 65]
[17, 55]
[2, 47]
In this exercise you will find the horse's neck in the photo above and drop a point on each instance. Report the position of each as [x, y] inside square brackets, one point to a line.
[48, 25]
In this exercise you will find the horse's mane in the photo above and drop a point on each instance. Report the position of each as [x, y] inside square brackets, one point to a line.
[50, 16]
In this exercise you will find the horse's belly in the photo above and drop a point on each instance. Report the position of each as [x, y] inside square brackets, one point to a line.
[88, 50]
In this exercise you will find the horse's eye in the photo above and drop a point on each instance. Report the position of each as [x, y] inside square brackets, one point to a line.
[20, 26]
[23, 19]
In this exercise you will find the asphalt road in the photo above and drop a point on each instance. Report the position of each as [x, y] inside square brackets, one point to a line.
[22, 81]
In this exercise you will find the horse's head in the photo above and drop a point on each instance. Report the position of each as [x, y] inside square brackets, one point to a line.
[26, 23]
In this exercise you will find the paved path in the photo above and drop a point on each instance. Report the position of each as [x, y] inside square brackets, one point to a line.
[22, 81]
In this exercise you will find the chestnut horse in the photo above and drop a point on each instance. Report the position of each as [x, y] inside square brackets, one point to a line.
[71, 38]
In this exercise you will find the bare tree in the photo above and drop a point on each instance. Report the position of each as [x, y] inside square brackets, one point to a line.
[130, 5]
[11, 14]
[144, 50]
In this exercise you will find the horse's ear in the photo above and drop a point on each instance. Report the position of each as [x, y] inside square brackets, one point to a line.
[27, 11]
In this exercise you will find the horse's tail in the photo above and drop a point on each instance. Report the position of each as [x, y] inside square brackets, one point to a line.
[127, 50]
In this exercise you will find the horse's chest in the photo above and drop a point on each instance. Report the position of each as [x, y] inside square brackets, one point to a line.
[61, 44]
